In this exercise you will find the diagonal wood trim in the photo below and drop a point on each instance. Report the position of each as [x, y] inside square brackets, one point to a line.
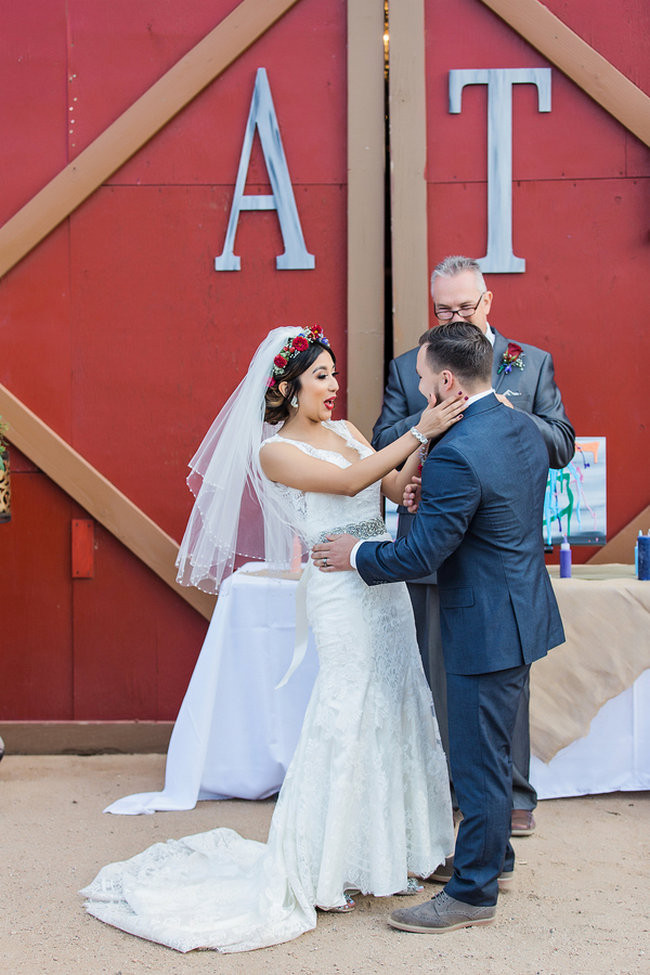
[366, 139]
[580, 62]
[98, 496]
[139, 123]
[620, 548]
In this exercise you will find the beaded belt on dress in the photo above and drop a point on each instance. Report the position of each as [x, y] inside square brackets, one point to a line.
[362, 529]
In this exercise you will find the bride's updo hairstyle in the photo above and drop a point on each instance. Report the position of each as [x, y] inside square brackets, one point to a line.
[294, 359]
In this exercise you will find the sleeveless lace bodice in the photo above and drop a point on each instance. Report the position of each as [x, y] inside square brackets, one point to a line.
[314, 515]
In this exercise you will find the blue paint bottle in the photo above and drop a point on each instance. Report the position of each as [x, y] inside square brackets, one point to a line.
[636, 554]
[565, 560]
[643, 542]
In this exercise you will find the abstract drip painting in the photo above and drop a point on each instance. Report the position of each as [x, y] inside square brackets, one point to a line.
[575, 502]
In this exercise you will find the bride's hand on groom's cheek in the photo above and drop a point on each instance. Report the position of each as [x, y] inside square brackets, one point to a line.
[333, 555]
[438, 417]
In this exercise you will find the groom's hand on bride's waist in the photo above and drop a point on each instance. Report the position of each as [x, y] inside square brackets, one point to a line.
[333, 555]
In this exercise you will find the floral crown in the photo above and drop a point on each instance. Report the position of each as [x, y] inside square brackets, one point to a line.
[306, 337]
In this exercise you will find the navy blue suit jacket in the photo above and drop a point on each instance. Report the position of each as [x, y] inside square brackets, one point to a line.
[479, 525]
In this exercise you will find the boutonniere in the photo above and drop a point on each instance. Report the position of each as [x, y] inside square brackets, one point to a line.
[513, 356]
[422, 456]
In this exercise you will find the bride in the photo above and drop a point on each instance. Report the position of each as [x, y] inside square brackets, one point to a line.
[365, 802]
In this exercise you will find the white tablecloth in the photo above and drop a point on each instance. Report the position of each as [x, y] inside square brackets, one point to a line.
[235, 733]
[613, 757]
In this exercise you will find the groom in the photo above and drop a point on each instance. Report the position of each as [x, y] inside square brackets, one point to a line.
[479, 524]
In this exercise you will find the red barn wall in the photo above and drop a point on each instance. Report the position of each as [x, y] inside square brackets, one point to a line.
[580, 219]
[117, 331]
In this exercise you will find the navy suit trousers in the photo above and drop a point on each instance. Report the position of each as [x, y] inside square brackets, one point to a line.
[482, 709]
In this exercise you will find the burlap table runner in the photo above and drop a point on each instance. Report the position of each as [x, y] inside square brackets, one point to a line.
[606, 616]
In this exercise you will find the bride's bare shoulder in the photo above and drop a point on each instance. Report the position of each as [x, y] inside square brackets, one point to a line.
[355, 433]
[277, 455]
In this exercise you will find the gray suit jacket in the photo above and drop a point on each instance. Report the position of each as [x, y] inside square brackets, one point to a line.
[531, 390]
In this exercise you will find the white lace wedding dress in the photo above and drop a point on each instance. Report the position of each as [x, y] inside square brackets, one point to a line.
[365, 800]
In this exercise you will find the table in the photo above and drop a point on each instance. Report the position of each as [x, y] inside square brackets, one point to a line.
[614, 755]
[235, 733]
[590, 698]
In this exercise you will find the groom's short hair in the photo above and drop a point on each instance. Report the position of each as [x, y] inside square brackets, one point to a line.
[460, 347]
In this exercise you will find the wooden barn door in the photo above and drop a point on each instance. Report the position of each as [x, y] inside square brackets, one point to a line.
[518, 135]
[121, 335]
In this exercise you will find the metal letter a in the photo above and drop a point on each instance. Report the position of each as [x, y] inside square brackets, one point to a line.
[262, 115]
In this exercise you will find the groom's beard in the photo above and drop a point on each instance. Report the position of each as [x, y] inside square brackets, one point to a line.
[438, 393]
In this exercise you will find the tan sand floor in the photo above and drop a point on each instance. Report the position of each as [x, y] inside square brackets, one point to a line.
[580, 905]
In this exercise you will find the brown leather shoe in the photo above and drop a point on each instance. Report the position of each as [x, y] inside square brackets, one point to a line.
[522, 822]
[443, 874]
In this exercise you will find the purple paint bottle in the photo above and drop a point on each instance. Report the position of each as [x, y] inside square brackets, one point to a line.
[565, 560]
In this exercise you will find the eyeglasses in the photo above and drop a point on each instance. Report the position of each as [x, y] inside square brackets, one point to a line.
[465, 311]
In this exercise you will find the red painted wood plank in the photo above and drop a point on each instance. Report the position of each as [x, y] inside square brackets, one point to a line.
[82, 547]
[36, 635]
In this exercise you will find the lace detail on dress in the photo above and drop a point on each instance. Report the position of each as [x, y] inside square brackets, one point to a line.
[365, 800]
[315, 515]
[340, 428]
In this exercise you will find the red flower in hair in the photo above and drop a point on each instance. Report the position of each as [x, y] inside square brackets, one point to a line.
[301, 342]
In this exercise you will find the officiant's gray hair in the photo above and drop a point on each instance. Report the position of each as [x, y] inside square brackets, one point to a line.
[460, 347]
[457, 264]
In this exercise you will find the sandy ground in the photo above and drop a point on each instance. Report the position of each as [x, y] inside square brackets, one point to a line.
[580, 905]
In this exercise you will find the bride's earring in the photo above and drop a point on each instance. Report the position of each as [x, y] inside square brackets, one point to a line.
[294, 401]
